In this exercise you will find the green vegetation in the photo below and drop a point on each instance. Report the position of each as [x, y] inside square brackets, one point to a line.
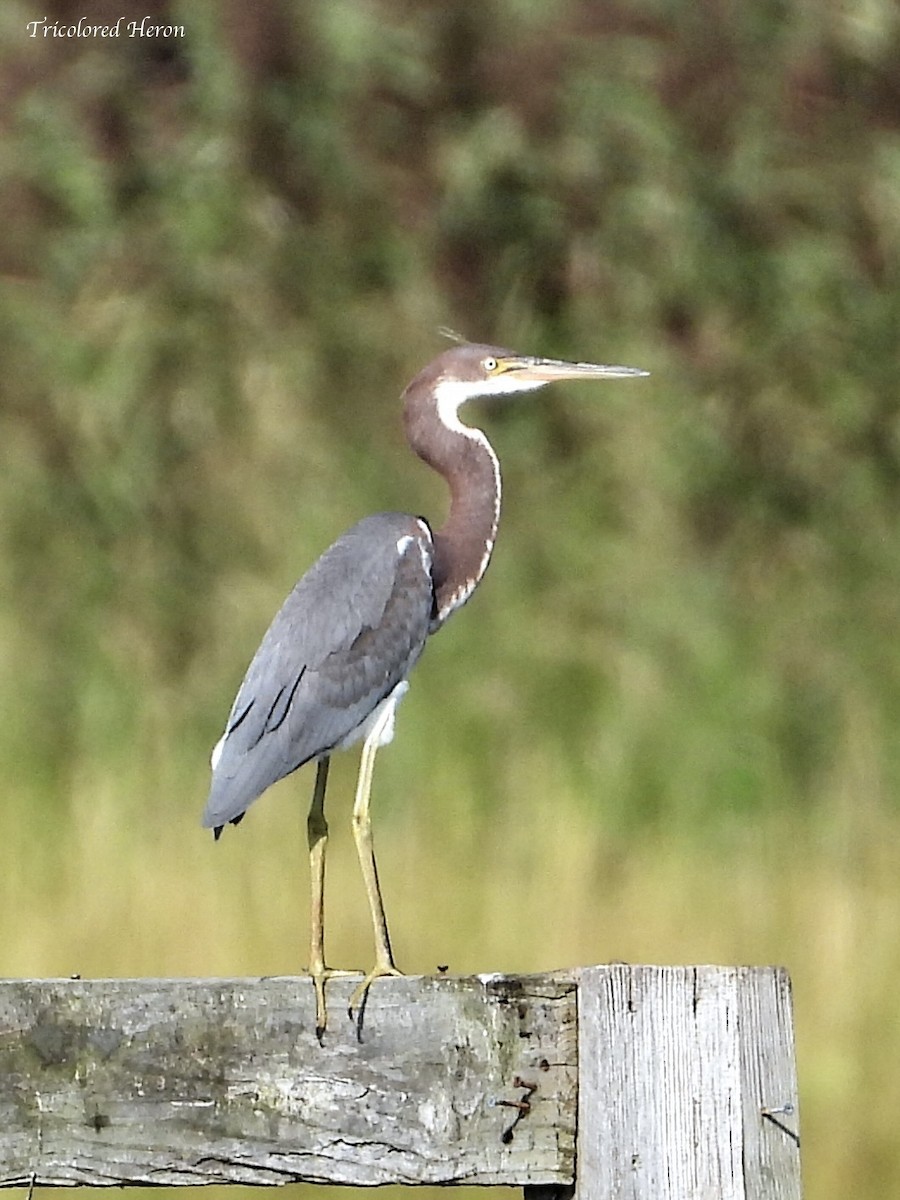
[664, 730]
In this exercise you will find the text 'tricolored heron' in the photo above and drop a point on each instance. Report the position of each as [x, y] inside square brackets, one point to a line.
[334, 664]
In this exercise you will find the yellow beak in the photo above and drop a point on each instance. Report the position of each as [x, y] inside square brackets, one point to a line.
[548, 370]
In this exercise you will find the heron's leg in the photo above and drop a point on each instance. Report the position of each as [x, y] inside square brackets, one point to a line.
[317, 834]
[362, 835]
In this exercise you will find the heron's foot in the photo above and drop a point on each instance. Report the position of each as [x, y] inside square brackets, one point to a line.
[320, 976]
[357, 1004]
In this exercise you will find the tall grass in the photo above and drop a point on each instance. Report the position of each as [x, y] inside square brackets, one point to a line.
[663, 730]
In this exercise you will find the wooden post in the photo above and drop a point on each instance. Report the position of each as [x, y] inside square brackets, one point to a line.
[686, 1083]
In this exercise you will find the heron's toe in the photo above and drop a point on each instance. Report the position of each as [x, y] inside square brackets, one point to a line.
[360, 994]
[320, 976]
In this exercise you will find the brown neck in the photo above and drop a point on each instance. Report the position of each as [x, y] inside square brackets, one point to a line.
[463, 544]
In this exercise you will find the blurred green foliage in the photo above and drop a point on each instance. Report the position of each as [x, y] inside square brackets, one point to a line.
[222, 257]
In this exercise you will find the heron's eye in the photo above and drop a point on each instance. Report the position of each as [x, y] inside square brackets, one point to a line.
[490, 365]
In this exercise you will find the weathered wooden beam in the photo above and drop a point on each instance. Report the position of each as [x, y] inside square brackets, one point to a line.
[149, 1081]
[686, 1083]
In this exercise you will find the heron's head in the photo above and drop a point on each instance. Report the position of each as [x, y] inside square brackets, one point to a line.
[467, 371]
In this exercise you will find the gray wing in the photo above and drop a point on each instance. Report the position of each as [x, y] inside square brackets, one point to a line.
[348, 633]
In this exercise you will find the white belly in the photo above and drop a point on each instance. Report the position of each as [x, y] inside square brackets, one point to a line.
[380, 721]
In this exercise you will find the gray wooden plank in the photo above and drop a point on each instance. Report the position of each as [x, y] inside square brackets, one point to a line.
[223, 1081]
[771, 1112]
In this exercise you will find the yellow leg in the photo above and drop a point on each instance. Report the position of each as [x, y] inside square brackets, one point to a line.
[317, 834]
[362, 835]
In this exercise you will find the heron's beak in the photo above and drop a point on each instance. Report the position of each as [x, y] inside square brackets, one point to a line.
[548, 370]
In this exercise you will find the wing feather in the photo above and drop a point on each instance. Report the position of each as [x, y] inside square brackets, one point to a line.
[348, 633]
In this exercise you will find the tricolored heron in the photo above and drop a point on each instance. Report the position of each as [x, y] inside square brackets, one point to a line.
[333, 666]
